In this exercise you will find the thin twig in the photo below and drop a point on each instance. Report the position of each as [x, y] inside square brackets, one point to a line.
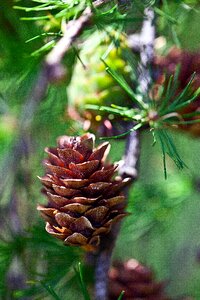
[103, 258]
[129, 166]
[103, 262]
[73, 30]
[147, 50]
[144, 43]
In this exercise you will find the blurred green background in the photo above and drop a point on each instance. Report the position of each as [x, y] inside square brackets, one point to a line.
[163, 229]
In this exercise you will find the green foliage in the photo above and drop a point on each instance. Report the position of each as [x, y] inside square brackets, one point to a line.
[158, 113]
[79, 273]
[121, 296]
[125, 86]
[53, 15]
[164, 218]
[174, 15]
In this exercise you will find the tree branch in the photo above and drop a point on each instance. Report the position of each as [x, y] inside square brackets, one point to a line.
[146, 51]
[144, 43]
[129, 165]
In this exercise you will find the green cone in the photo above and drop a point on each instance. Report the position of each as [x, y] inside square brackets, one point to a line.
[91, 84]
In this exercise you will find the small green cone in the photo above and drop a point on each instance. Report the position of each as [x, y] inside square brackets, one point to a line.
[91, 84]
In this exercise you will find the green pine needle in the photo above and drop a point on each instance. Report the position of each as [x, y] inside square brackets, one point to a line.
[50, 290]
[169, 93]
[187, 122]
[44, 48]
[136, 127]
[168, 148]
[181, 98]
[190, 115]
[170, 103]
[36, 8]
[124, 112]
[121, 295]
[45, 34]
[120, 80]
[165, 15]
[163, 156]
[34, 18]
[189, 101]
[79, 273]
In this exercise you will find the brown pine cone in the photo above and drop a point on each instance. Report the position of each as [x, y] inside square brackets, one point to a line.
[136, 280]
[83, 199]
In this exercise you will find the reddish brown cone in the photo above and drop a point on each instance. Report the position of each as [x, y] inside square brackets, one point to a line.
[189, 64]
[136, 280]
[83, 199]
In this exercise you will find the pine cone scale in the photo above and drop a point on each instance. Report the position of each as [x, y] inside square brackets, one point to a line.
[84, 200]
[70, 156]
[57, 200]
[54, 231]
[55, 160]
[98, 154]
[97, 215]
[75, 208]
[64, 220]
[65, 192]
[59, 171]
[75, 183]
[112, 202]
[84, 170]
[76, 239]
[96, 189]
[103, 174]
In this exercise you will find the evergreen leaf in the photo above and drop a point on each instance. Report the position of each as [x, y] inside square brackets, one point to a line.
[167, 97]
[125, 112]
[44, 48]
[168, 147]
[50, 290]
[182, 95]
[168, 94]
[121, 81]
[79, 273]
[121, 295]
[136, 127]
[45, 34]
[165, 15]
[192, 114]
